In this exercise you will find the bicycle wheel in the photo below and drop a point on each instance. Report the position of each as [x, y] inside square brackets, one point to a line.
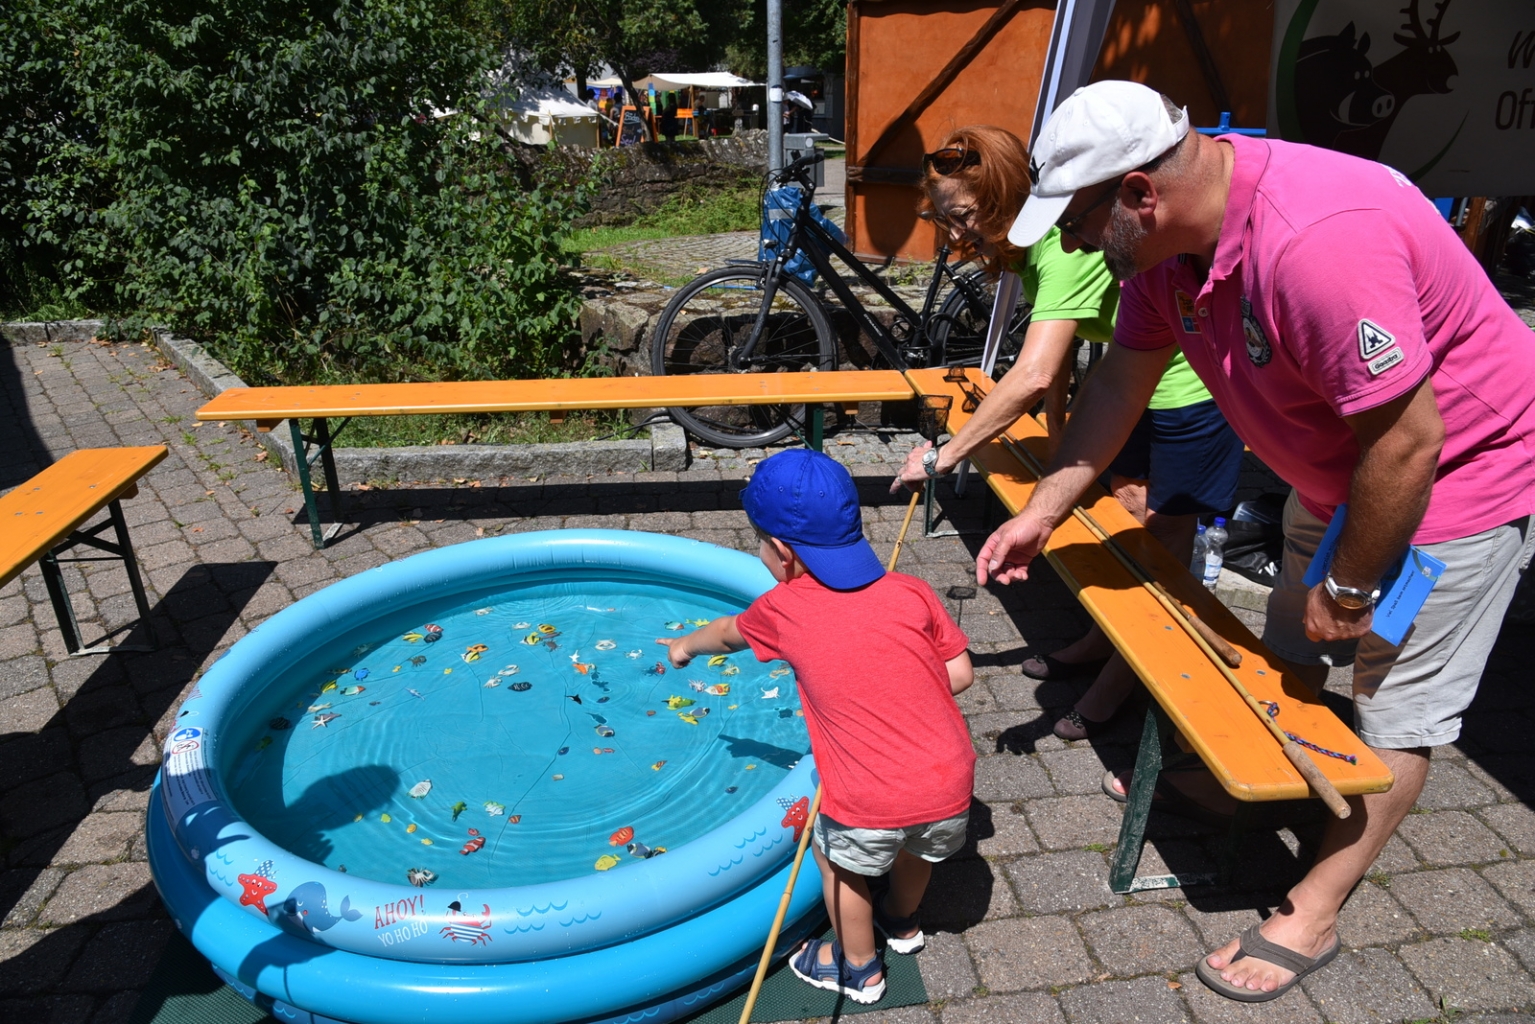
[960, 331]
[712, 316]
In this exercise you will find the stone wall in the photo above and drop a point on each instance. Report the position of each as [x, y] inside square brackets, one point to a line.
[639, 179]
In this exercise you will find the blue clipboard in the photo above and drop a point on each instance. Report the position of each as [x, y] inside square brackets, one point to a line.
[1403, 589]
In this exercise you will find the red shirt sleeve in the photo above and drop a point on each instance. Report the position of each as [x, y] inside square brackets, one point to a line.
[948, 638]
[758, 626]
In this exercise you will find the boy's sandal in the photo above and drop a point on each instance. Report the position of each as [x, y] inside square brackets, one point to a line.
[1048, 666]
[1255, 945]
[889, 926]
[839, 975]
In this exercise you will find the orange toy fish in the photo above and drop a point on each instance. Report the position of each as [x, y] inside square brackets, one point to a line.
[475, 843]
[798, 816]
[581, 668]
[623, 835]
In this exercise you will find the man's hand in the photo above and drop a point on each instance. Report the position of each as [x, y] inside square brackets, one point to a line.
[676, 650]
[913, 474]
[1327, 620]
[1006, 555]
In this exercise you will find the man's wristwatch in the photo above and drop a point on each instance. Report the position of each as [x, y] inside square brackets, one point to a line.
[930, 461]
[1351, 598]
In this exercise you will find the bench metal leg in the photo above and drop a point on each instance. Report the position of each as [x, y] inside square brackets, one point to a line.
[817, 437]
[303, 461]
[1156, 750]
[130, 562]
[53, 579]
[58, 593]
[928, 490]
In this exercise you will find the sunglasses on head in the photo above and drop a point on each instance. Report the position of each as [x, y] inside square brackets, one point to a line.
[950, 159]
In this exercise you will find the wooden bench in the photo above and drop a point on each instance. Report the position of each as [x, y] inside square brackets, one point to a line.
[1195, 710]
[42, 517]
[321, 403]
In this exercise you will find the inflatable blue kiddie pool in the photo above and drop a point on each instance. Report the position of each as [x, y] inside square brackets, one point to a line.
[468, 786]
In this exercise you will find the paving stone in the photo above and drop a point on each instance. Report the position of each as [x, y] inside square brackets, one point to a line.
[1372, 918]
[1515, 822]
[1450, 837]
[1049, 883]
[1138, 940]
[1523, 946]
[119, 956]
[48, 1010]
[1449, 900]
[1450, 785]
[945, 966]
[1516, 881]
[1395, 856]
[1469, 974]
[22, 675]
[1020, 1008]
[1072, 822]
[116, 1009]
[1142, 1001]
[102, 892]
[1004, 777]
[1365, 986]
[1078, 771]
[24, 891]
[29, 712]
[1221, 917]
[1006, 833]
[36, 960]
[45, 803]
[1209, 1008]
[101, 837]
[963, 892]
[110, 753]
[1033, 952]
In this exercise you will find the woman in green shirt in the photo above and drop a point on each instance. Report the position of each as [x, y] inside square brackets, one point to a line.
[1181, 461]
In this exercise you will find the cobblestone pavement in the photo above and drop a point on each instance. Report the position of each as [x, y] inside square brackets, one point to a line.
[1023, 926]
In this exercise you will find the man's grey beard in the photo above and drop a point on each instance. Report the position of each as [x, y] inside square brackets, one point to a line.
[1122, 243]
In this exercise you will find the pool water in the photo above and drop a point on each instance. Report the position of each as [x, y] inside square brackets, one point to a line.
[524, 735]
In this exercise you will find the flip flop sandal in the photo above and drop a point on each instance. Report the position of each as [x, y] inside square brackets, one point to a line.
[1168, 797]
[1054, 668]
[889, 925]
[839, 975]
[1253, 944]
[1081, 728]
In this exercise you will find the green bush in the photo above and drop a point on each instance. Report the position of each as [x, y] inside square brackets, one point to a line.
[277, 179]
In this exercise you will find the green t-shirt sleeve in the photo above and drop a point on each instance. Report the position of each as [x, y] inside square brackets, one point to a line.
[1070, 286]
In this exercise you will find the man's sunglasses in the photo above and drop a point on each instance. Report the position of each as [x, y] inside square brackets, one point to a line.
[1070, 227]
[950, 159]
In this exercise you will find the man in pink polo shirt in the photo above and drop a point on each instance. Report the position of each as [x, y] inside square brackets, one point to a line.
[1360, 351]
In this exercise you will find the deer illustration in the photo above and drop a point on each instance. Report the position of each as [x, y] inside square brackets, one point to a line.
[1423, 67]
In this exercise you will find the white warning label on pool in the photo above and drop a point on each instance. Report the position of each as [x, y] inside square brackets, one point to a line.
[184, 778]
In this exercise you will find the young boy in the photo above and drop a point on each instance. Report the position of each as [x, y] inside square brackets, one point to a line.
[878, 661]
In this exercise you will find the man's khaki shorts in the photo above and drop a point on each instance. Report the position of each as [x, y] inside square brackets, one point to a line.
[1411, 695]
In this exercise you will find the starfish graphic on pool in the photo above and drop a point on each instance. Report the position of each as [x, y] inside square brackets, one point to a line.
[257, 887]
[797, 814]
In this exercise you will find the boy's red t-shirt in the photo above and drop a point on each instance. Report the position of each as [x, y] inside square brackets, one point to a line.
[889, 740]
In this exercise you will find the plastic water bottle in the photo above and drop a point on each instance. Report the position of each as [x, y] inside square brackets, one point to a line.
[1201, 545]
[1215, 545]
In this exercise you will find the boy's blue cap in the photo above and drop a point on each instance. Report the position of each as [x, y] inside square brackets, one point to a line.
[808, 501]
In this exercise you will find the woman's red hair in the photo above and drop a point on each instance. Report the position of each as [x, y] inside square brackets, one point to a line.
[999, 184]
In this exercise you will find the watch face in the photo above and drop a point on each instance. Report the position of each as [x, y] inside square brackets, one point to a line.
[1352, 602]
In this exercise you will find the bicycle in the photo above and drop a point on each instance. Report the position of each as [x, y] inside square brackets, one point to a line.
[758, 318]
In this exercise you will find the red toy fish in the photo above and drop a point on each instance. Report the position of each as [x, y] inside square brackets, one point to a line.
[257, 889]
[621, 837]
[798, 816]
[475, 843]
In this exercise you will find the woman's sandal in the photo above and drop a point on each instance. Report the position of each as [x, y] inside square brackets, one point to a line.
[889, 926]
[1048, 666]
[1072, 726]
[1252, 943]
[839, 975]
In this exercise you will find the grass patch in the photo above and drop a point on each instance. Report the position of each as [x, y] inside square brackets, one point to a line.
[693, 211]
[494, 428]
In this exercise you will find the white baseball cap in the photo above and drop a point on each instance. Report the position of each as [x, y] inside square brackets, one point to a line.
[1100, 132]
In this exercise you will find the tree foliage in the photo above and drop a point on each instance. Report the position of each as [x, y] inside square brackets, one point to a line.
[277, 179]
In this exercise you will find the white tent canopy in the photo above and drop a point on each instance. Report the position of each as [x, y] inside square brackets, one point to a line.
[543, 114]
[704, 80]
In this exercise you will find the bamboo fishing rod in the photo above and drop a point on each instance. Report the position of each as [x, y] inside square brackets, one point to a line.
[1207, 640]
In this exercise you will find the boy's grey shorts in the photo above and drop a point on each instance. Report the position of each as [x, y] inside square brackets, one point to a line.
[871, 851]
[1412, 695]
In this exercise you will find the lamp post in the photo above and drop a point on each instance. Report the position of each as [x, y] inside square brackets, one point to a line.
[775, 84]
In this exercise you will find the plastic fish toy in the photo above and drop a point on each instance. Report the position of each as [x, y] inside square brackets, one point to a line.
[426, 842]
[420, 789]
[603, 700]
[778, 673]
[731, 789]
[493, 681]
[521, 625]
[548, 630]
[321, 721]
[416, 694]
[557, 778]
[675, 702]
[607, 860]
[412, 637]
[605, 645]
[532, 639]
[634, 653]
[410, 828]
[751, 767]
[360, 674]
[521, 687]
[650, 714]
[563, 751]
[386, 819]
[640, 850]
[418, 660]
[433, 633]
[657, 766]
[690, 719]
[604, 731]
[621, 837]
[352, 691]
[266, 741]
[421, 877]
[675, 625]
[718, 689]
[328, 687]
[551, 645]
[279, 723]
[458, 808]
[698, 622]
[580, 667]
[476, 843]
[483, 611]
[318, 707]
[573, 696]
[717, 660]
[494, 809]
[473, 652]
[697, 685]
[514, 819]
[731, 670]
[358, 818]
[731, 707]
[510, 670]
[770, 694]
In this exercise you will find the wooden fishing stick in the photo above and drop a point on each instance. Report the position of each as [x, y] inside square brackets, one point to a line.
[1191, 624]
[804, 839]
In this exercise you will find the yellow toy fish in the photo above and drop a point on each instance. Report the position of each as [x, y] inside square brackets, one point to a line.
[698, 622]
[412, 638]
[674, 702]
[687, 717]
[607, 860]
[410, 828]
[533, 639]
[657, 766]
[358, 818]
[426, 842]
[473, 652]
[328, 687]
[717, 660]
[547, 629]
[386, 819]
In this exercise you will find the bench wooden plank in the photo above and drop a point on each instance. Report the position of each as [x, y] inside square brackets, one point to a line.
[269, 405]
[1201, 703]
[47, 508]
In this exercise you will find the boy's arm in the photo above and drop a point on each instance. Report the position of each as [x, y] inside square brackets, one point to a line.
[718, 637]
[961, 674]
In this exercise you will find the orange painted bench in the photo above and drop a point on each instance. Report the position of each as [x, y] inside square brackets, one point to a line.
[1194, 706]
[42, 518]
[321, 403]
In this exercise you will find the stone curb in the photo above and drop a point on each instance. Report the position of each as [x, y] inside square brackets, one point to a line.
[666, 450]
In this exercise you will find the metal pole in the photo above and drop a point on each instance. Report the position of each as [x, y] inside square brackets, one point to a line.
[775, 84]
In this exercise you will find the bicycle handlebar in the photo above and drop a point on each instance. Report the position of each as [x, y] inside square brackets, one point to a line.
[796, 170]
